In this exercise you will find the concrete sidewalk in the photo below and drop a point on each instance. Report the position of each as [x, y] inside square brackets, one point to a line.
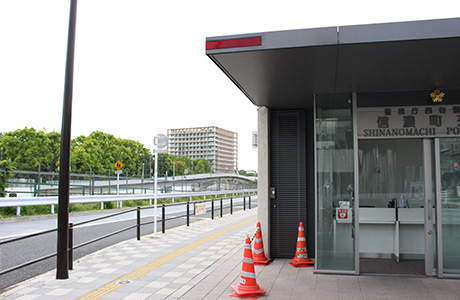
[282, 281]
[164, 267]
[202, 262]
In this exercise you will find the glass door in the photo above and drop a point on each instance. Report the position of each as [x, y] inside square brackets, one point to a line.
[448, 175]
[335, 206]
[396, 199]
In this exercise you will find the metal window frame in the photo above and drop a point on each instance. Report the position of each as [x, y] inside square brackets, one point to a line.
[354, 99]
[356, 188]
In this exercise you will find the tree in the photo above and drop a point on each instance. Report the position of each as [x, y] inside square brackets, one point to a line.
[5, 174]
[54, 147]
[27, 148]
[201, 166]
[165, 164]
[86, 155]
[186, 160]
[100, 151]
[180, 168]
[197, 166]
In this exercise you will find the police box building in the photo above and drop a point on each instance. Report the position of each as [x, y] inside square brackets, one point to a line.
[359, 138]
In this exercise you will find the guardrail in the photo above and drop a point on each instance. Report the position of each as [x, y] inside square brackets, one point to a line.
[47, 189]
[246, 202]
[30, 201]
[37, 183]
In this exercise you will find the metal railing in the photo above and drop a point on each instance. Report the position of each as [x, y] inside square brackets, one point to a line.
[40, 183]
[31, 201]
[246, 202]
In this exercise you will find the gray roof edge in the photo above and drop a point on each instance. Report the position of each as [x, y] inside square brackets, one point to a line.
[282, 39]
[400, 31]
[352, 34]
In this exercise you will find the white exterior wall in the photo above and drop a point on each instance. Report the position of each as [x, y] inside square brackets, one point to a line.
[263, 197]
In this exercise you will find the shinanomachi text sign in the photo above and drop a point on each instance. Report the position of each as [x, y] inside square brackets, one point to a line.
[409, 122]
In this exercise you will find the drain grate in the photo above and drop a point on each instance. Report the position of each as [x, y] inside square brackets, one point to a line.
[123, 282]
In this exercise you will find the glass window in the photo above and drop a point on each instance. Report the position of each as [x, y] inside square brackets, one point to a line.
[391, 173]
[334, 150]
[450, 204]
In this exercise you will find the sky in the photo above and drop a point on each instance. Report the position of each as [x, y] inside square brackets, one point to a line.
[141, 67]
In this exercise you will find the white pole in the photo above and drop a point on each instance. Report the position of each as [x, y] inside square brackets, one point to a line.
[156, 196]
[118, 187]
[118, 184]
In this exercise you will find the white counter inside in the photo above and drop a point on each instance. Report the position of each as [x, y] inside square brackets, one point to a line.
[384, 232]
[376, 215]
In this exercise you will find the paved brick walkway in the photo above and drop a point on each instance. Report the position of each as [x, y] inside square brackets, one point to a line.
[202, 262]
[153, 268]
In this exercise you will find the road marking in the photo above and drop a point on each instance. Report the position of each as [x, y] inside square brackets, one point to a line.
[110, 287]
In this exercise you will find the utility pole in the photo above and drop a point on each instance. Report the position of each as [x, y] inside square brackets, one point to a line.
[39, 179]
[142, 181]
[155, 188]
[62, 270]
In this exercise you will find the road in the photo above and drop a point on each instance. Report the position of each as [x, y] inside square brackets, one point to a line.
[19, 252]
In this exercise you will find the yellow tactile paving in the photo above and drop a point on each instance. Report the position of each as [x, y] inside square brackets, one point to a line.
[110, 287]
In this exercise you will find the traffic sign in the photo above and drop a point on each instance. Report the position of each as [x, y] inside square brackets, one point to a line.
[118, 172]
[118, 165]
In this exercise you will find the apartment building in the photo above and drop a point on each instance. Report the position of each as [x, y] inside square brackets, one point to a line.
[218, 146]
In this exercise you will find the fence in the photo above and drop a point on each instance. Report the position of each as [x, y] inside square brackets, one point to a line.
[35, 184]
[246, 202]
[52, 201]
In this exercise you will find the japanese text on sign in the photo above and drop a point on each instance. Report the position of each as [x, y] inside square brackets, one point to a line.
[431, 121]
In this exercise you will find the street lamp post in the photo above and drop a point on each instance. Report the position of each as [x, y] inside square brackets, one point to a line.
[142, 180]
[160, 142]
[155, 189]
[64, 171]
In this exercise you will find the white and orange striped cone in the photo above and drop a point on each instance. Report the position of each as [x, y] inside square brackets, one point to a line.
[247, 287]
[258, 253]
[301, 259]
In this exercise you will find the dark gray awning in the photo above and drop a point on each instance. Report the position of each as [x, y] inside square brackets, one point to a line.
[288, 67]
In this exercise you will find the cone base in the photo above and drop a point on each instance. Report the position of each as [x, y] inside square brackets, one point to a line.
[301, 264]
[247, 294]
[263, 262]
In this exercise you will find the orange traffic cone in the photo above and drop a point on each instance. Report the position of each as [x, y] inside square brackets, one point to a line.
[301, 259]
[258, 253]
[248, 287]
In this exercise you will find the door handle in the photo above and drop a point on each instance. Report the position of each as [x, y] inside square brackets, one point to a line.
[272, 193]
[429, 210]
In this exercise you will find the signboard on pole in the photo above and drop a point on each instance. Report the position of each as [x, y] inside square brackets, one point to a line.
[118, 165]
[200, 208]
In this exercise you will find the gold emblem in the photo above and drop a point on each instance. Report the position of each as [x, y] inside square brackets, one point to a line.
[437, 95]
